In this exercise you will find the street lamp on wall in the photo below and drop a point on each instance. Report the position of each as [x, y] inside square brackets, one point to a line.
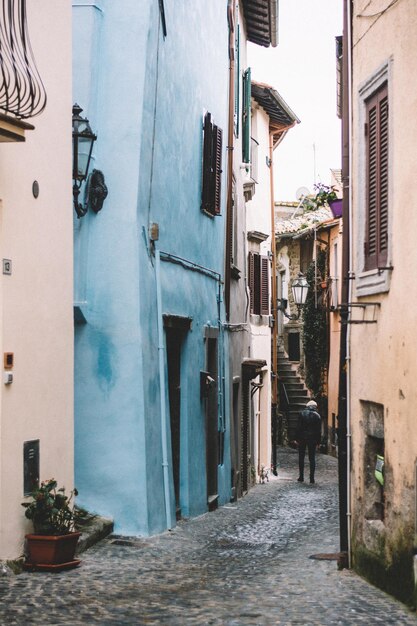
[299, 288]
[83, 140]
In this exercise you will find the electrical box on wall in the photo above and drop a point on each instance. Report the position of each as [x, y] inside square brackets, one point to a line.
[7, 378]
[8, 360]
[30, 466]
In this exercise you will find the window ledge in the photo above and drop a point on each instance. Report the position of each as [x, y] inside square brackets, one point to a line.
[372, 282]
[248, 190]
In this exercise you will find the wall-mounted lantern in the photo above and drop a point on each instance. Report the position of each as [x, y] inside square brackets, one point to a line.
[299, 288]
[83, 140]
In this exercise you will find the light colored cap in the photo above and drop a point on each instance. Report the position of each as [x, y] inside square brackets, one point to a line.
[312, 403]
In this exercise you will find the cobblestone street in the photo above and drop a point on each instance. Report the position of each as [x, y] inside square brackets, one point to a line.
[246, 563]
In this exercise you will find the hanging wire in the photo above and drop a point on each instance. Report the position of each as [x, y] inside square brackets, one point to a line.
[22, 92]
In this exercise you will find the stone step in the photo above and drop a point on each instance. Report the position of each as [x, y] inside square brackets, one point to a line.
[288, 374]
[296, 384]
[298, 400]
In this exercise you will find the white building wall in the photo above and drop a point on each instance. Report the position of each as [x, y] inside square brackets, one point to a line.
[258, 218]
[36, 300]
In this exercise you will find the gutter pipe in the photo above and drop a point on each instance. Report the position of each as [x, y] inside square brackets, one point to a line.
[273, 20]
[162, 390]
[230, 148]
[274, 312]
[344, 363]
[350, 289]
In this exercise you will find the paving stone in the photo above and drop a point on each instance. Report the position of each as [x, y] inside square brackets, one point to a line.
[246, 563]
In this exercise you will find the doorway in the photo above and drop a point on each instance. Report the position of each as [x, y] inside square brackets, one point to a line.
[173, 342]
[212, 423]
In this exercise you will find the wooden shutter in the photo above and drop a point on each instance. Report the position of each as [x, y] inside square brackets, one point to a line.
[212, 166]
[246, 116]
[217, 168]
[207, 160]
[264, 285]
[376, 245]
[251, 279]
[257, 284]
[383, 181]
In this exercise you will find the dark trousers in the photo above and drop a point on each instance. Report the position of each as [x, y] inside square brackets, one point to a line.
[311, 445]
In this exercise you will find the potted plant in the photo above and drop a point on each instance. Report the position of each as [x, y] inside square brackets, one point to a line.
[53, 544]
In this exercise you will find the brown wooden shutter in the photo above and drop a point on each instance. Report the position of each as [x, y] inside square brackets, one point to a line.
[376, 245]
[257, 284]
[212, 166]
[251, 279]
[217, 169]
[207, 160]
[383, 181]
[264, 285]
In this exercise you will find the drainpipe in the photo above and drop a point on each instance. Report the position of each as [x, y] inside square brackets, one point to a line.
[273, 18]
[350, 289]
[274, 312]
[162, 390]
[343, 404]
[230, 145]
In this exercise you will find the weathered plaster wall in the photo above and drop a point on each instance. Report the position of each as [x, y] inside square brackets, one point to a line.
[150, 149]
[384, 367]
[36, 300]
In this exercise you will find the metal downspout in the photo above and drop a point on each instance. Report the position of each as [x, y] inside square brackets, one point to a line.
[273, 16]
[343, 444]
[230, 147]
[350, 289]
[274, 311]
[162, 389]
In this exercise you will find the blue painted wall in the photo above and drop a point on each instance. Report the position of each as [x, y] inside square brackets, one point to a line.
[145, 97]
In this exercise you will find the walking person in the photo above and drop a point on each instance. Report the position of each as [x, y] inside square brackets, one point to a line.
[308, 436]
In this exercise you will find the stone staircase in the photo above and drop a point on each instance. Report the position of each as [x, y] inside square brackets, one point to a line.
[293, 394]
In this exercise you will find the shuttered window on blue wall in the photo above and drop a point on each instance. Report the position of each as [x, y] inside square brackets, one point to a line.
[212, 166]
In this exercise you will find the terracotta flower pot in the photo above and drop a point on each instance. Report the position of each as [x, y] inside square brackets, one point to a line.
[51, 549]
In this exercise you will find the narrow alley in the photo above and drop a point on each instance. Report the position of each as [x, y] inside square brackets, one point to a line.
[246, 563]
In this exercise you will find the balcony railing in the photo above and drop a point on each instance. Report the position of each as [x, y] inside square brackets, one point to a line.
[22, 92]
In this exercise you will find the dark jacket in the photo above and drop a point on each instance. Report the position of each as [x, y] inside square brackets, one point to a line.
[309, 425]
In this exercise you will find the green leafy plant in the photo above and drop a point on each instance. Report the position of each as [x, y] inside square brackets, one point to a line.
[51, 510]
[315, 333]
[324, 194]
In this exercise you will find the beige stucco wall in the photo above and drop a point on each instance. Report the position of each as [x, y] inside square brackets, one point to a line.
[384, 364]
[36, 300]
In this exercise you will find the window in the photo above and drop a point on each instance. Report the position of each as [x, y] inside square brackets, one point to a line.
[212, 166]
[374, 186]
[258, 280]
[376, 132]
[246, 116]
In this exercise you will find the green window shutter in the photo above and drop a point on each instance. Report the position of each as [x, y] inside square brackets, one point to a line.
[246, 116]
[237, 80]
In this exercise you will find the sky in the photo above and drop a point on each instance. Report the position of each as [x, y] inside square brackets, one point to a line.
[302, 68]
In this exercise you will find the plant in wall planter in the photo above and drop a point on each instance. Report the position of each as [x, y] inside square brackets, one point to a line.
[52, 545]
